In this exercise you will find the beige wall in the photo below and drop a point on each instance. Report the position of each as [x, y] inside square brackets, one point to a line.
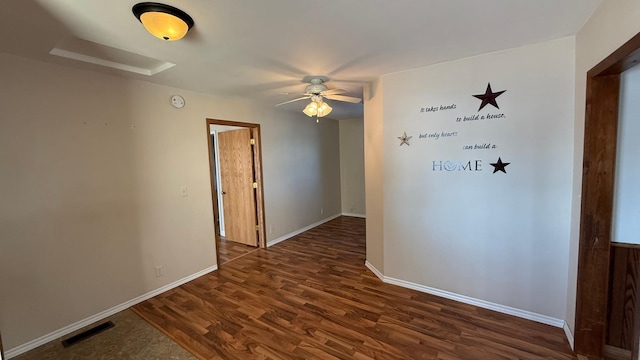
[352, 166]
[500, 239]
[90, 167]
[302, 172]
[613, 23]
[373, 169]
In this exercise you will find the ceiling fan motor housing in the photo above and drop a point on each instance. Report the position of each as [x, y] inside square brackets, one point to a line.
[316, 88]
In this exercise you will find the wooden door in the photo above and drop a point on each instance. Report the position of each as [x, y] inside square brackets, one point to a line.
[238, 194]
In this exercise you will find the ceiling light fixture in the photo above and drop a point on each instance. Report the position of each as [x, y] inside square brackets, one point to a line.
[311, 109]
[163, 21]
[317, 107]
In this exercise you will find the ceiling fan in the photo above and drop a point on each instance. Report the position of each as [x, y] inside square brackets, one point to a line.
[318, 91]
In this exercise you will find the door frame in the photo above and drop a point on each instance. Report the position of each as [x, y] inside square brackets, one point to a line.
[216, 176]
[598, 175]
[257, 167]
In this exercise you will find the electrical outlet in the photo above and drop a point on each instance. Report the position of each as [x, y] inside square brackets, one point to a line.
[321, 211]
[183, 191]
[159, 271]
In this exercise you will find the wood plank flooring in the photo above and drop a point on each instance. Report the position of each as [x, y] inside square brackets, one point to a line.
[311, 297]
[229, 250]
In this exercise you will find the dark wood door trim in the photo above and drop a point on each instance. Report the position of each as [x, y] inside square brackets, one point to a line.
[600, 139]
[255, 131]
[595, 223]
[257, 154]
[635, 355]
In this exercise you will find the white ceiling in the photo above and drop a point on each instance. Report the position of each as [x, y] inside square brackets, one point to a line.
[261, 49]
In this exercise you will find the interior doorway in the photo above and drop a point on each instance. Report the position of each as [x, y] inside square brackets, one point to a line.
[598, 259]
[236, 188]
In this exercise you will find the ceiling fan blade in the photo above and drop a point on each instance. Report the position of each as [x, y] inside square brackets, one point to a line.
[333, 92]
[350, 99]
[290, 101]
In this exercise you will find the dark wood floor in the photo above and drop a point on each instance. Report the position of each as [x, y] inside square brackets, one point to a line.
[229, 250]
[311, 297]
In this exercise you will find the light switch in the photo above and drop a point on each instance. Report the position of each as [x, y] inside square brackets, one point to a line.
[183, 191]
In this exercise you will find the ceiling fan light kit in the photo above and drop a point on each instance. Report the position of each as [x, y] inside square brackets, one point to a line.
[324, 109]
[318, 108]
[163, 21]
[311, 109]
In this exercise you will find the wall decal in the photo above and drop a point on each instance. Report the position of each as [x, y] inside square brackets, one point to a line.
[449, 165]
[438, 134]
[499, 166]
[481, 117]
[483, 146]
[457, 137]
[489, 97]
[404, 139]
[437, 108]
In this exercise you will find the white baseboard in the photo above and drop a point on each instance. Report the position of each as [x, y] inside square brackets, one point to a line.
[364, 216]
[300, 231]
[374, 270]
[568, 334]
[101, 315]
[468, 300]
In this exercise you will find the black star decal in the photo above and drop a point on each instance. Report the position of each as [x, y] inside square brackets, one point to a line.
[499, 166]
[489, 97]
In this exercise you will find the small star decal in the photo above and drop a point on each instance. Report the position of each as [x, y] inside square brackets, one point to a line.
[404, 139]
[499, 166]
[489, 97]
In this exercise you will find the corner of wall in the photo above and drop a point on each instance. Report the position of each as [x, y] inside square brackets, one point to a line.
[373, 145]
[569, 334]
